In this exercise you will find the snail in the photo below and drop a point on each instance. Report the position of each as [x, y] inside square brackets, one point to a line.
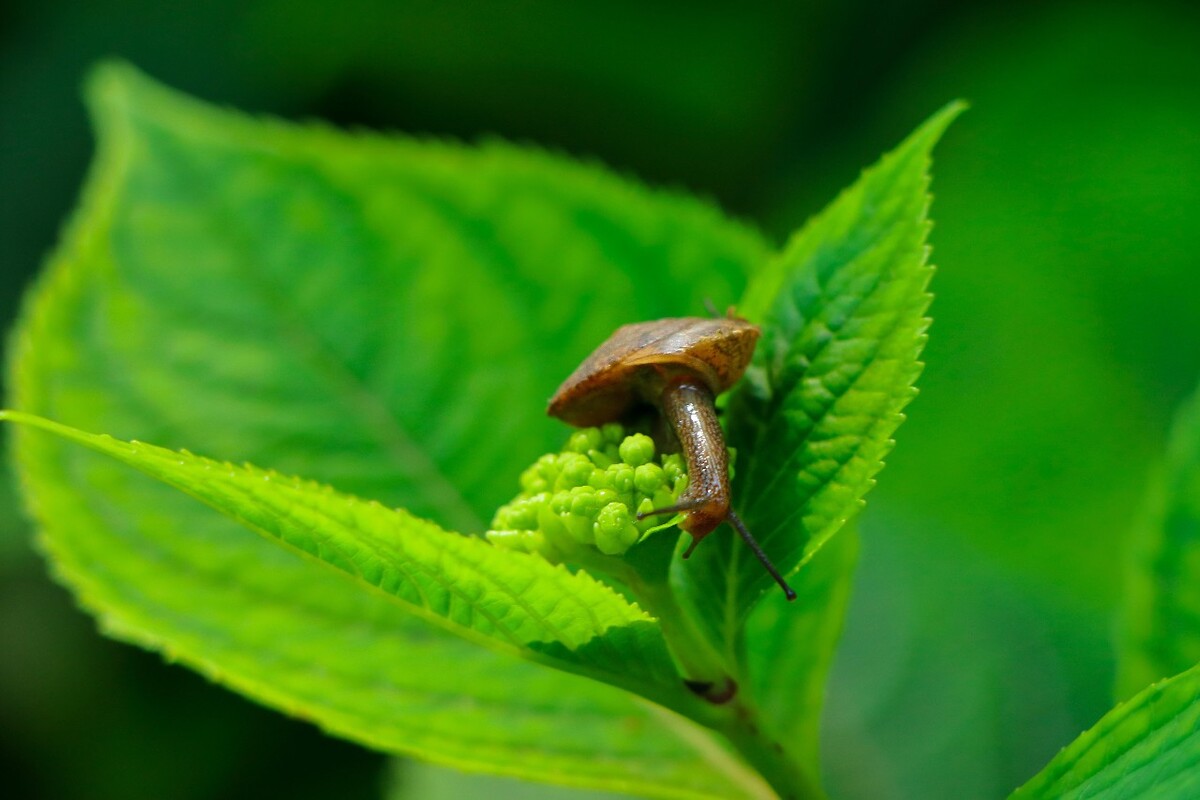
[678, 366]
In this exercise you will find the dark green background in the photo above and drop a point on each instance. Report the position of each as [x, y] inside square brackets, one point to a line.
[1067, 327]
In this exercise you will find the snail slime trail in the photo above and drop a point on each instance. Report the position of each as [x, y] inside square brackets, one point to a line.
[677, 365]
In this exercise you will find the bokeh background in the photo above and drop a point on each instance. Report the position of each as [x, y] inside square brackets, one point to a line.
[1067, 328]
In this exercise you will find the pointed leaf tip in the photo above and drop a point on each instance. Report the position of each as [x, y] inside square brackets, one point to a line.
[843, 309]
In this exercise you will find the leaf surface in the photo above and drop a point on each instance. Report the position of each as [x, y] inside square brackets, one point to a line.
[376, 313]
[513, 602]
[1148, 746]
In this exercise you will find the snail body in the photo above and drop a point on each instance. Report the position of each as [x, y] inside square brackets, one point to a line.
[678, 366]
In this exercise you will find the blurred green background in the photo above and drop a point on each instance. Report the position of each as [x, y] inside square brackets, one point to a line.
[1067, 327]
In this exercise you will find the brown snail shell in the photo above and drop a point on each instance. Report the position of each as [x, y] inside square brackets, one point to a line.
[634, 364]
[677, 365]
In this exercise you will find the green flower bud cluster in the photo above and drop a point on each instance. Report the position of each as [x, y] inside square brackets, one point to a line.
[589, 495]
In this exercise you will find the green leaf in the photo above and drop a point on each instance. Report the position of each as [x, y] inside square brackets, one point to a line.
[843, 313]
[381, 315]
[411, 780]
[791, 646]
[1146, 747]
[513, 602]
[1162, 631]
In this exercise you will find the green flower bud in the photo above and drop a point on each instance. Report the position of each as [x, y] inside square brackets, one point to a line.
[600, 479]
[636, 449]
[614, 530]
[547, 466]
[586, 496]
[575, 471]
[584, 440]
[613, 432]
[649, 478]
[621, 478]
[585, 503]
[673, 466]
[560, 502]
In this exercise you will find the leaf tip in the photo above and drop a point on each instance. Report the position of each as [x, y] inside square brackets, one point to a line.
[930, 131]
[109, 83]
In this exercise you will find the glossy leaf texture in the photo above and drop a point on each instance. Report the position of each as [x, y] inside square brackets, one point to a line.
[383, 315]
[1146, 747]
[843, 309]
[1162, 630]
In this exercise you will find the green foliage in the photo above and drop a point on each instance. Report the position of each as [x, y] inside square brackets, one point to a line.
[509, 601]
[1163, 604]
[844, 323]
[386, 318]
[1144, 748]
[370, 314]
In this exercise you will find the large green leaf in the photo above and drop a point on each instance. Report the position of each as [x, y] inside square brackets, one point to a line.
[1163, 603]
[512, 602]
[844, 314]
[374, 313]
[1146, 747]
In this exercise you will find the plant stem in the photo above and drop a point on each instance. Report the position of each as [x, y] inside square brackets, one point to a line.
[721, 704]
[766, 754]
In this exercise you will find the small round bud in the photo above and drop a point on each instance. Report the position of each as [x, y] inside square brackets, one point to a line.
[560, 502]
[600, 479]
[621, 478]
[585, 503]
[547, 466]
[673, 466]
[533, 483]
[614, 530]
[613, 432]
[649, 478]
[576, 469]
[586, 439]
[637, 449]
